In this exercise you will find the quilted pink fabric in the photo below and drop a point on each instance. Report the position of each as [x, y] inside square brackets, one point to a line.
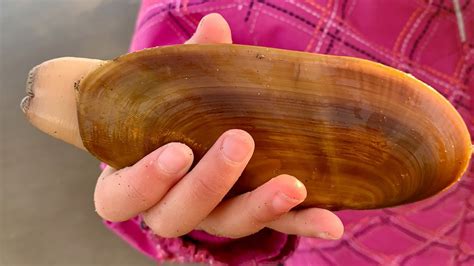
[419, 37]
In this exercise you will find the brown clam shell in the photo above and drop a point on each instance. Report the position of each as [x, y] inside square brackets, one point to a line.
[358, 134]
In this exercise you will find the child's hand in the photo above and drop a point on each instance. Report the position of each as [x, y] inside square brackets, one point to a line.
[174, 202]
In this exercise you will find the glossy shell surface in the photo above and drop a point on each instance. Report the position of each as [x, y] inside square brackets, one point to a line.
[358, 134]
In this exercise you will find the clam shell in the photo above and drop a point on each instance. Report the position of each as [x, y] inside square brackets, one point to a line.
[358, 134]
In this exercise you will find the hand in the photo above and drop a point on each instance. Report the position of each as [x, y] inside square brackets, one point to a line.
[174, 201]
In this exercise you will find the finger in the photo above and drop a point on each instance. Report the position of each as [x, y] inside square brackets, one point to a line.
[123, 194]
[199, 192]
[213, 28]
[312, 222]
[250, 212]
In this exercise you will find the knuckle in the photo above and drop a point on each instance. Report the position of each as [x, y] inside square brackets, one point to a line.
[205, 188]
[139, 195]
[257, 216]
[260, 213]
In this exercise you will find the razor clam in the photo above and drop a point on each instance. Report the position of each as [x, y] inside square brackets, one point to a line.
[358, 134]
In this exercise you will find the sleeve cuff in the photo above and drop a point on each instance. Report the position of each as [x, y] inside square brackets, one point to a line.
[264, 247]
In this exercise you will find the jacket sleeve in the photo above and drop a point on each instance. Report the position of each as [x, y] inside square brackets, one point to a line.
[264, 247]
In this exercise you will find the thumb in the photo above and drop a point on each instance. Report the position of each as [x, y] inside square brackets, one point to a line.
[213, 28]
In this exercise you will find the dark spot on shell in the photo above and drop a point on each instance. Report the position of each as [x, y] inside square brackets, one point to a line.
[357, 111]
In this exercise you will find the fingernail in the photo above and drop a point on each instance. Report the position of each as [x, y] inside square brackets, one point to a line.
[198, 28]
[200, 23]
[196, 32]
[325, 235]
[173, 159]
[283, 203]
[299, 185]
[235, 147]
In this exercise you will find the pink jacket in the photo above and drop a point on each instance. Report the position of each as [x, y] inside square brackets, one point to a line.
[417, 36]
